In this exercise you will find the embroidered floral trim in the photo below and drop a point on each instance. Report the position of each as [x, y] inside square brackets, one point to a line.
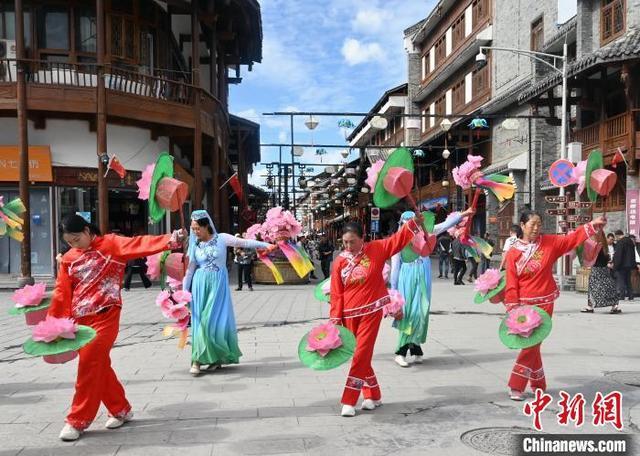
[354, 383]
[367, 309]
[122, 414]
[537, 375]
[80, 425]
[371, 382]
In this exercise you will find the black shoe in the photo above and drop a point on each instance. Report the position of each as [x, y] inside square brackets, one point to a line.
[446, 277]
[126, 289]
[439, 276]
[630, 299]
[238, 289]
[461, 283]
[250, 288]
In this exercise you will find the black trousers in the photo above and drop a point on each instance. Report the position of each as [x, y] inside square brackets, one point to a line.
[326, 268]
[623, 279]
[474, 268]
[415, 350]
[129, 275]
[244, 269]
[459, 269]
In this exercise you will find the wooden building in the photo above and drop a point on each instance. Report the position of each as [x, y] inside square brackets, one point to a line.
[128, 78]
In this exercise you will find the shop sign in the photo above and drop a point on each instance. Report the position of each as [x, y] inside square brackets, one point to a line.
[633, 213]
[39, 164]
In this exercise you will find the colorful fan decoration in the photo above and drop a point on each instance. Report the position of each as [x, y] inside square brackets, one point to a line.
[10, 220]
[469, 174]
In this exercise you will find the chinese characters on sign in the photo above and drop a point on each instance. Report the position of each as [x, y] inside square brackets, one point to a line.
[633, 198]
[604, 409]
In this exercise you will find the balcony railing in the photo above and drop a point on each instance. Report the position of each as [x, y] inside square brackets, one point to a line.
[606, 135]
[84, 75]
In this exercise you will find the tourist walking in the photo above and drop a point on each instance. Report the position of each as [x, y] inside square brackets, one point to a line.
[602, 291]
[214, 338]
[529, 282]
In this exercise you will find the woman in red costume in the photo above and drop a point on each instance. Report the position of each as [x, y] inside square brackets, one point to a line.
[529, 263]
[88, 290]
[358, 295]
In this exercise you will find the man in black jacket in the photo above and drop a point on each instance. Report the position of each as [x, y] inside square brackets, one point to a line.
[325, 250]
[624, 261]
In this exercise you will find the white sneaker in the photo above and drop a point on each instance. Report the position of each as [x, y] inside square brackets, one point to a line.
[370, 404]
[516, 395]
[348, 410]
[401, 361]
[417, 359]
[195, 369]
[115, 423]
[69, 433]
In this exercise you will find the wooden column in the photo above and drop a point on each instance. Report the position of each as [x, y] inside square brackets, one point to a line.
[101, 121]
[197, 129]
[216, 181]
[23, 148]
[242, 175]
[626, 75]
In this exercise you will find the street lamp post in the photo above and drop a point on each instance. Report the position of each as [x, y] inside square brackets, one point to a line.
[481, 60]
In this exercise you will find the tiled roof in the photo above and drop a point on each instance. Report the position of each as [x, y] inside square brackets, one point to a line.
[506, 98]
[624, 48]
[563, 30]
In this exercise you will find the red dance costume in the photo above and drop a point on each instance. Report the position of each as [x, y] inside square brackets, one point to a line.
[530, 282]
[358, 295]
[88, 289]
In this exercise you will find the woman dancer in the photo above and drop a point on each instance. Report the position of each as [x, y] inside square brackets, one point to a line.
[602, 290]
[358, 295]
[413, 280]
[88, 290]
[214, 339]
[529, 263]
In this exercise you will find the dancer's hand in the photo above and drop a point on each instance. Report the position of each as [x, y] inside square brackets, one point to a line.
[419, 219]
[599, 222]
[469, 212]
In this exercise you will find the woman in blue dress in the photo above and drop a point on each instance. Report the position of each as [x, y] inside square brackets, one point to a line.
[214, 338]
[412, 278]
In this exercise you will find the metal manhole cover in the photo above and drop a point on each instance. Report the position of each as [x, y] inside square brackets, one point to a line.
[631, 378]
[494, 440]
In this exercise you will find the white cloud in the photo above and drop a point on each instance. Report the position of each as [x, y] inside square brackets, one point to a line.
[355, 52]
[371, 20]
[282, 137]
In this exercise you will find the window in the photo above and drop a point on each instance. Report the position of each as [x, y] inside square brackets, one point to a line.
[122, 37]
[441, 105]
[425, 65]
[458, 32]
[480, 82]
[612, 19]
[86, 30]
[458, 96]
[8, 22]
[423, 120]
[480, 11]
[537, 34]
[440, 50]
[53, 28]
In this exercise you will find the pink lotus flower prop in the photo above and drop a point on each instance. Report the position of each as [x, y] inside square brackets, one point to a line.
[278, 225]
[372, 174]
[51, 329]
[144, 183]
[523, 320]
[30, 295]
[465, 174]
[153, 266]
[578, 175]
[174, 305]
[174, 284]
[488, 281]
[396, 305]
[324, 338]
[253, 231]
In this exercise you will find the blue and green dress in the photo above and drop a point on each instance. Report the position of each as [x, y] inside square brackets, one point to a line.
[214, 338]
[413, 281]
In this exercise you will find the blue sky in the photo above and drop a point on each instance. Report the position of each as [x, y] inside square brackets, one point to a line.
[327, 55]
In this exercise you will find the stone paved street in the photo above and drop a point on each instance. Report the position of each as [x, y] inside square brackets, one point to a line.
[270, 404]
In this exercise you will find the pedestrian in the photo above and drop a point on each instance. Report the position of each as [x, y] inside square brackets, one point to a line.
[529, 281]
[473, 258]
[358, 296]
[214, 338]
[326, 256]
[624, 262]
[486, 262]
[244, 260]
[412, 278]
[139, 266]
[444, 255]
[602, 291]
[515, 233]
[97, 303]
[459, 261]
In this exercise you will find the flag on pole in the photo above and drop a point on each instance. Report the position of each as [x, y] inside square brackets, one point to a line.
[115, 165]
[234, 181]
[618, 158]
